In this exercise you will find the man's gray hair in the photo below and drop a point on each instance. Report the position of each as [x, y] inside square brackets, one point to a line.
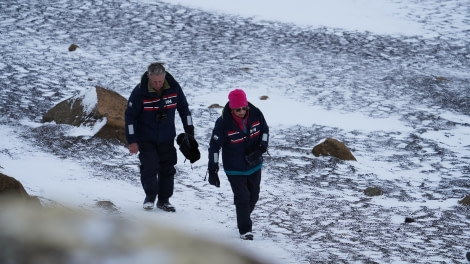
[156, 68]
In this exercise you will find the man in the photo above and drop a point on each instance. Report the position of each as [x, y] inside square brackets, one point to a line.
[243, 134]
[150, 130]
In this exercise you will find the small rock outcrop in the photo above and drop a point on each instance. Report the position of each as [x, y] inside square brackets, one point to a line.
[12, 189]
[91, 108]
[465, 201]
[333, 147]
[215, 106]
[73, 47]
[373, 191]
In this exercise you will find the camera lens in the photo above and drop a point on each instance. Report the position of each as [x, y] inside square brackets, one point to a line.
[160, 116]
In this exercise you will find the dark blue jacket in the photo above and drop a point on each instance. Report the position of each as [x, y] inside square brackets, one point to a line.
[150, 117]
[235, 143]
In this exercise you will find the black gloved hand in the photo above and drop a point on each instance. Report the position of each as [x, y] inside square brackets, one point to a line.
[189, 130]
[214, 177]
[262, 148]
[254, 158]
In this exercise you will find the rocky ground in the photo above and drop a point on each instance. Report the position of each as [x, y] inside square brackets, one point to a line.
[328, 219]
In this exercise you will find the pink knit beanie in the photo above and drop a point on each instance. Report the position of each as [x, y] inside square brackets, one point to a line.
[237, 99]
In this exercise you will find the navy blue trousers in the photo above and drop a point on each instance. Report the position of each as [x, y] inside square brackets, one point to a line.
[245, 195]
[157, 169]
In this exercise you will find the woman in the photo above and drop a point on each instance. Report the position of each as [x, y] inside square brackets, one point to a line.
[243, 134]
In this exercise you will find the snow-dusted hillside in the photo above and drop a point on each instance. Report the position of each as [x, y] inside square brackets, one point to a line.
[400, 102]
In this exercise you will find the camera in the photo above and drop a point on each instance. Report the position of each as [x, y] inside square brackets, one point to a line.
[160, 116]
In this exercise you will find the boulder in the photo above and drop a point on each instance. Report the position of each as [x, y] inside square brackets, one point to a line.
[92, 108]
[61, 235]
[333, 147]
[12, 189]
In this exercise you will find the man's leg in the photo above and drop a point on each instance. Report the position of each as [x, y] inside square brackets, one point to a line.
[148, 172]
[166, 175]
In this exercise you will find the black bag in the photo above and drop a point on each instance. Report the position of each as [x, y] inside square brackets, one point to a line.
[189, 147]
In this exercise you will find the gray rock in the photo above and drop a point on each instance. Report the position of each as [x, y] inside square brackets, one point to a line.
[31, 235]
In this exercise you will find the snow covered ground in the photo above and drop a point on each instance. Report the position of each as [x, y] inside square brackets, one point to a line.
[391, 79]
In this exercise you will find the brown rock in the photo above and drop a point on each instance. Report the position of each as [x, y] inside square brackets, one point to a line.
[465, 201]
[62, 236]
[11, 190]
[373, 191]
[110, 105]
[333, 147]
[215, 106]
[73, 47]
[11, 187]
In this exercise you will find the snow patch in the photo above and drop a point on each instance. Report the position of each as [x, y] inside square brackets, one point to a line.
[87, 131]
[90, 100]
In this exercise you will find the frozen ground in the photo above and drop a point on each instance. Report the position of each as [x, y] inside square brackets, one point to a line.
[400, 102]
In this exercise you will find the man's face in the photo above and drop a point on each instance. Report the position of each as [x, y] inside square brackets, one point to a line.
[156, 81]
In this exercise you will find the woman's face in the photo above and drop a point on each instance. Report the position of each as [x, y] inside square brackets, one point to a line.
[241, 111]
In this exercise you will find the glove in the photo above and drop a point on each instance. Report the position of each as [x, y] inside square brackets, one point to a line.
[254, 158]
[189, 130]
[214, 178]
[253, 155]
